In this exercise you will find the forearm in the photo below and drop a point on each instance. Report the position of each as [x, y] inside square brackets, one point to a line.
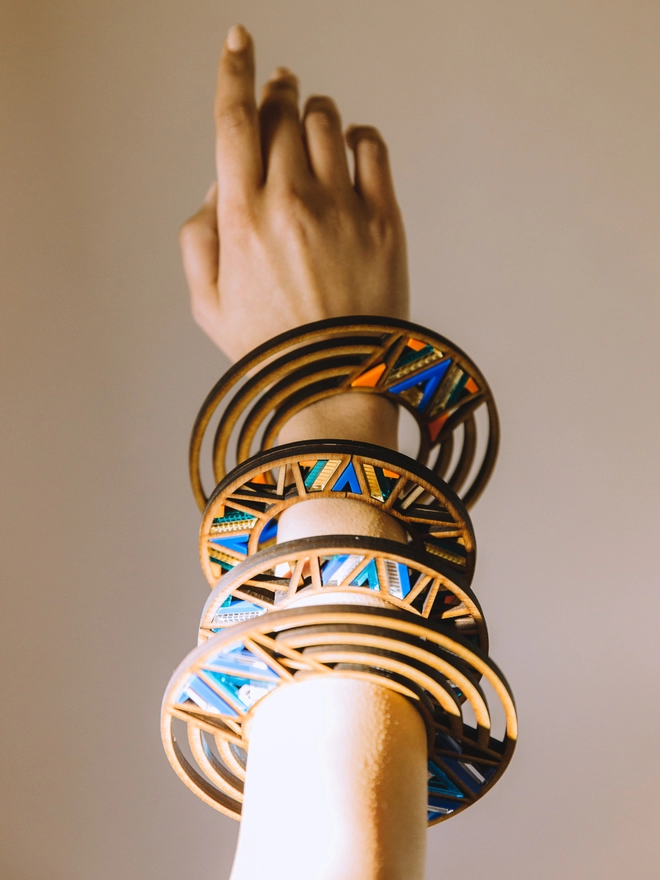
[336, 786]
[336, 782]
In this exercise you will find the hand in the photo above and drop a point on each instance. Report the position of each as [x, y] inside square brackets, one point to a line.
[288, 236]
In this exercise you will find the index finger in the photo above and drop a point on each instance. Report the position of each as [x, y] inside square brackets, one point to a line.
[238, 147]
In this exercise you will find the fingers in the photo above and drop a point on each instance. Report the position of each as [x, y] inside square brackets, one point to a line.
[238, 150]
[324, 138]
[373, 178]
[281, 130]
[200, 251]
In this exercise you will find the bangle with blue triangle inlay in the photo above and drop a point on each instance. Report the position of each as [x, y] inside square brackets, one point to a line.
[415, 368]
[242, 514]
[275, 614]
[215, 690]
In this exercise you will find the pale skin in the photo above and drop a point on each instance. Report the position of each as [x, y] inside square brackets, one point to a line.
[336, 781]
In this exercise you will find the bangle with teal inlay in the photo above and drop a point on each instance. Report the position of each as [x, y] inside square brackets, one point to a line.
[243, 512]
[420, 370]
[215, 690]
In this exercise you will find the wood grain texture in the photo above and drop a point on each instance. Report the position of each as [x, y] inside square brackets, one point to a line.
[409, 365]
[215, 690]
[397, 574]
[243, 511]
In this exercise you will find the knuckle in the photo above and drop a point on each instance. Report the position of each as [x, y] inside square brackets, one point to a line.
[235, 63]
[238, 217]
[372, 145]
[199, 310]
[386, 230]
[291, 208]
[236, 117]
[323, 119]
[188, 232]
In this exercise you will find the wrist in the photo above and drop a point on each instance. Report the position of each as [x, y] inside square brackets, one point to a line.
[367, 418]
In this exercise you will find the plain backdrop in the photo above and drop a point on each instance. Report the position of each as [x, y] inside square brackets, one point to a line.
[525, 140]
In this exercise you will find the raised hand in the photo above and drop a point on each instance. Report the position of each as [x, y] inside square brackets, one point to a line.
[288, 235]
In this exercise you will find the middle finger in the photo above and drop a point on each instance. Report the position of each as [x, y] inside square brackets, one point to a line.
[281, 130]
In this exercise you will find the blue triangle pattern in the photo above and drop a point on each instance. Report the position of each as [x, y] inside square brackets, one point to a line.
[238, 543]
[440, 783]
[435, 372]
[348, 481]
[368, 576]
[206, 698]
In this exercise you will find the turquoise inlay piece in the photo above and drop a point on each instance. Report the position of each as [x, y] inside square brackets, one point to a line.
[386, 483]
[234, 516]
[440, 783]
[457, 390]
[348, 481]
[367, 577]
[409, 354]
[456, 690]
[223, 563]
[314, 472]
[242, 690]
[436, 372]
[207, 699]
[238, 543]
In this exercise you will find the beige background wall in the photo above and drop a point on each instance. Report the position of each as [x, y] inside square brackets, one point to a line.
[525, 138]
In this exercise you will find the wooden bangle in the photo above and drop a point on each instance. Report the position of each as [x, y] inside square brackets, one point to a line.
[413, 581]
[214, 691]
[411, 366]
[243, 511]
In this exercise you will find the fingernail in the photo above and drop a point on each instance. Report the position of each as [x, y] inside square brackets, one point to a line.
[237, 38]
[283, 73]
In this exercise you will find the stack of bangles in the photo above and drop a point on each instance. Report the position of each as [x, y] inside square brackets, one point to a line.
[267, 623]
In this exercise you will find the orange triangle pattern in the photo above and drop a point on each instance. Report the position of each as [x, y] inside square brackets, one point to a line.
[436, 426]
[370, 378]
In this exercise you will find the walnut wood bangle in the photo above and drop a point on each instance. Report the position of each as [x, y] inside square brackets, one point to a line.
[215, 689]
[243, 511]
[415, 368]
[397, 574]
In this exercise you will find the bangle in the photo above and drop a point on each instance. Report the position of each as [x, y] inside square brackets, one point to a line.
[409, 365]
[272, 579]
[243, 511]
[417, 629]
[214, 691]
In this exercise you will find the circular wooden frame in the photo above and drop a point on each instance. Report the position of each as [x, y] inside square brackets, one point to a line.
[308, 567]
[215, 689]
[415, 368]
[241, 516]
